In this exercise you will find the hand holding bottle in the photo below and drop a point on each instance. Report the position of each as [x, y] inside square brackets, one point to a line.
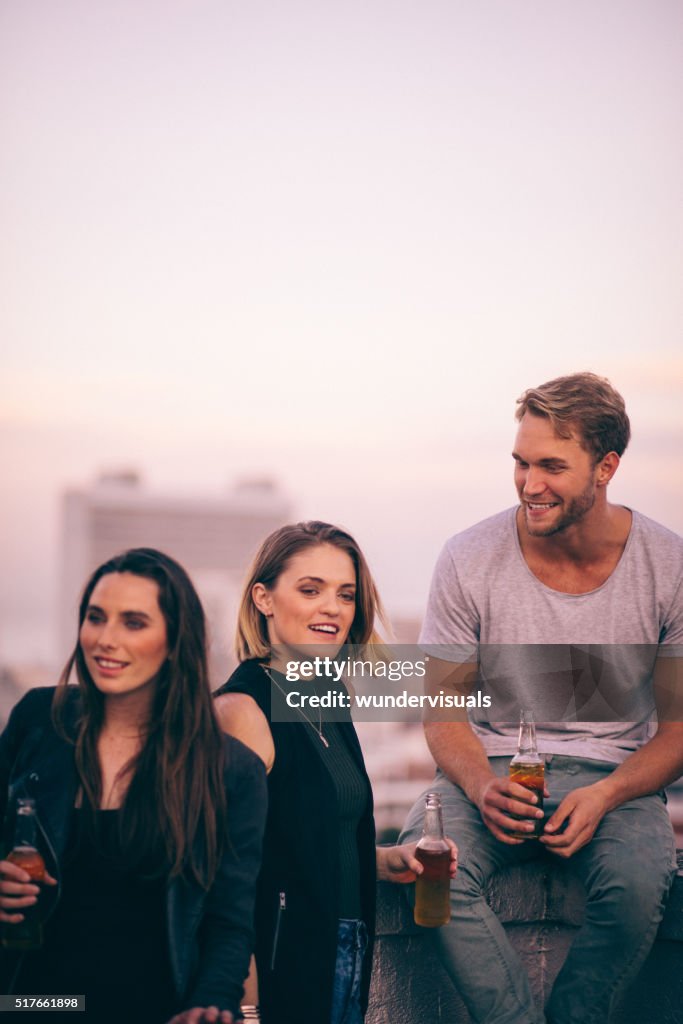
[18, 889]
[527, 769]
[20, 872]
[506, 807]
[401, 863]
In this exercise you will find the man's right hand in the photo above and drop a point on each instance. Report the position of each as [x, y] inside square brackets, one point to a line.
[498, 799]
[462, 758]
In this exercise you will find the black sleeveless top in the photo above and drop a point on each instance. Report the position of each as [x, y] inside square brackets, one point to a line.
[351, 787]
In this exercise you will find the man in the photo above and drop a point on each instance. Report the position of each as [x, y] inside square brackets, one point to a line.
[524, 597]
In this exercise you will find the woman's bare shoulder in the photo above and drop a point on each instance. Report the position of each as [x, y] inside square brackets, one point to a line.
[239, 715]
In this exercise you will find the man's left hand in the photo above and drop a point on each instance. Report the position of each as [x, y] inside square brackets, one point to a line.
[582, 810]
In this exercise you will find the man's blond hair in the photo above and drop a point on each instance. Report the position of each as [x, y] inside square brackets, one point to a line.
[582, 405]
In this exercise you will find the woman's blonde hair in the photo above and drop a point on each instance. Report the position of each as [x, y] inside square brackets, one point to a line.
[273, 557]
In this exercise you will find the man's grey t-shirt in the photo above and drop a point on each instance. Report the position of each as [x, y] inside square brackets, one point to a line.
[537, 647]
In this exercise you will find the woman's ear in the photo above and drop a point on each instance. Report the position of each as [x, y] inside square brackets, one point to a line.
[260, 595]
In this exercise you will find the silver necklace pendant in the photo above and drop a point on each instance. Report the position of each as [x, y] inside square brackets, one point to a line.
[317, 729]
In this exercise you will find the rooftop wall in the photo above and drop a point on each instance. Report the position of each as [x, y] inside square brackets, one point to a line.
[541, 906]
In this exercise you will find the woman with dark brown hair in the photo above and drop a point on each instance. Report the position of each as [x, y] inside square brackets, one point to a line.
[151, 819]
[310, 585]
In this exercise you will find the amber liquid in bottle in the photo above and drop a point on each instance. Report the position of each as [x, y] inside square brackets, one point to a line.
[433, 886]
[528, 769]
[26, 934]
[533, 777]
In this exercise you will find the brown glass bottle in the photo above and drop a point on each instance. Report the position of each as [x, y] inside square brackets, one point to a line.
[432, 887]
[527, 769]
[26, 934]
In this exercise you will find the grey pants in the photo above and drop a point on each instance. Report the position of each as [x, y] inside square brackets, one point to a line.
[627, 869]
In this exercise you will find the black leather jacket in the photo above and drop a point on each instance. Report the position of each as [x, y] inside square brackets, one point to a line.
[210, 934]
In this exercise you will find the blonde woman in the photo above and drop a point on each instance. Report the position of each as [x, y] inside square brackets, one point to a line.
[310, 584]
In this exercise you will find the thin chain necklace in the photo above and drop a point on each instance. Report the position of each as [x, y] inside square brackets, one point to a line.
[318, 729]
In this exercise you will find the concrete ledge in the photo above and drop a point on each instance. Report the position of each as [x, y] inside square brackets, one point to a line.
[541, 905]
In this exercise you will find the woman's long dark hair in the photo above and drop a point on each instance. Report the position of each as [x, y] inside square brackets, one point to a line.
[175, 803]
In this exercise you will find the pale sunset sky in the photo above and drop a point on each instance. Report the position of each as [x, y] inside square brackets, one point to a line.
[331, 243]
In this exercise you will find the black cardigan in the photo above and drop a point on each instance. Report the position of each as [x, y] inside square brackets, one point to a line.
[210, 935]
[296, 903]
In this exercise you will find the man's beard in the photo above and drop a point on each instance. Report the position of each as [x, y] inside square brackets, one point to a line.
[573, 513]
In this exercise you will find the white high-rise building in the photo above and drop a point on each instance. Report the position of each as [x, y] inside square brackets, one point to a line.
[213, 538]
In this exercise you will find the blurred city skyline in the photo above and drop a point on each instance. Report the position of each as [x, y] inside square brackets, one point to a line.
[330, 245]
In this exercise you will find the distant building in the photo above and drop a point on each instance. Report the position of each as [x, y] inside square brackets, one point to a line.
[212, 537]
[406, 630]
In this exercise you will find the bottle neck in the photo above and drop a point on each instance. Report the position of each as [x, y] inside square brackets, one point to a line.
[433, 823]
[527, 741]
[526, 744]
[25, 829]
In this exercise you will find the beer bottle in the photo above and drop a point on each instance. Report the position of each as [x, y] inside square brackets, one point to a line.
[27, 934]
[527, 769]
[432, 887]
